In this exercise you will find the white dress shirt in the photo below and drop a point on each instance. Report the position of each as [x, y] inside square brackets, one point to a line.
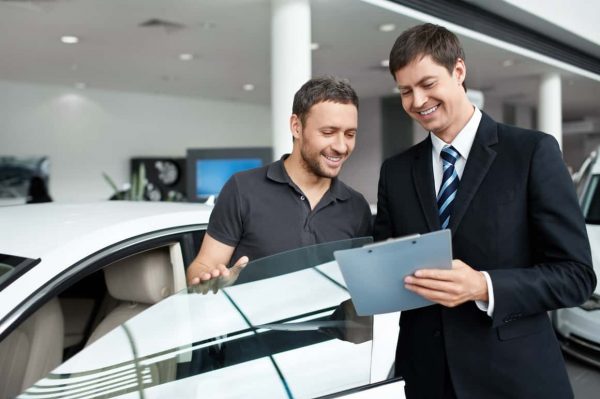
[462, 143]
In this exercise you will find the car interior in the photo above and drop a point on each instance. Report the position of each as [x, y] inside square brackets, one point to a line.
[86, 311]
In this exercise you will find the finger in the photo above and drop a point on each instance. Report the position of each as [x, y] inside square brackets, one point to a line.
[194, 281]
[242, 262]
[436, 274]
[437, 285]
[205, 287]
[432, 295]
[239, 265]
[205, 277]
[217, 284]
[223, 270]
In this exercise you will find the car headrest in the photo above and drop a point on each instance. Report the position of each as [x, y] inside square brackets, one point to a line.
[146, 277]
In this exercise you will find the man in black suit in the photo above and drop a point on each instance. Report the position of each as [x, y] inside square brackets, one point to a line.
[518, 237]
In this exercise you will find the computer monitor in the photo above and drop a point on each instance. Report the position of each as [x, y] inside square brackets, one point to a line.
[209, 169]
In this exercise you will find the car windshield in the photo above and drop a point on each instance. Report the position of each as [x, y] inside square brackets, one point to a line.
[590, 202]
[11, 267]
[286, 329]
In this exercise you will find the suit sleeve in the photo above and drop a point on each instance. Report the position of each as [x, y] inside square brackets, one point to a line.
[561, 274]
[382, 228]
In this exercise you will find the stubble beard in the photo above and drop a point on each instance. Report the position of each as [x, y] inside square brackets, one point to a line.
[312, 165]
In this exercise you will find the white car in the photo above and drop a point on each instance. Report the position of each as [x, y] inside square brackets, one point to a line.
[578, 328]
[93, 303]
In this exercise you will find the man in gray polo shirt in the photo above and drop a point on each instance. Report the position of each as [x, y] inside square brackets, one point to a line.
[293, 202]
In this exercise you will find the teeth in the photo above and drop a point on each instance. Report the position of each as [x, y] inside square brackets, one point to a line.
[334, 159]
[428, 111]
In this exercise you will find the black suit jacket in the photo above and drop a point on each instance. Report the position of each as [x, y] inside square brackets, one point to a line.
[515, 216]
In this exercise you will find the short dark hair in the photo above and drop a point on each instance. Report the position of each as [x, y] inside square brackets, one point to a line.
[321, 89]
[427, 39]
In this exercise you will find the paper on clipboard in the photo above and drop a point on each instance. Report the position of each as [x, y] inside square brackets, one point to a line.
[374, 274]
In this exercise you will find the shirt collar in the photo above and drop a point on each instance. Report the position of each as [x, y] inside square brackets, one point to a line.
[463, 140]
[277, 173]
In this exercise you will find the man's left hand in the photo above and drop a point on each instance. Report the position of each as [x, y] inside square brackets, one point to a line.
[449, 287]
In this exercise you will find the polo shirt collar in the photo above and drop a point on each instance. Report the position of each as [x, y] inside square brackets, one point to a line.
[277, 173]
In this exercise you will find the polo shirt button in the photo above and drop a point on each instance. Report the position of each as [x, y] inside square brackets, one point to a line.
[302, 197]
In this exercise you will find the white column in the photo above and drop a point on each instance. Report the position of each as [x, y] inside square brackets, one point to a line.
[290, 65]
[550, 106]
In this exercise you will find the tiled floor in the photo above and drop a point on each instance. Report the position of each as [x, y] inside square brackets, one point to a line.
[585, 379]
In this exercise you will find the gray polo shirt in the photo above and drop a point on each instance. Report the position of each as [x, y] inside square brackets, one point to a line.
[262, 212]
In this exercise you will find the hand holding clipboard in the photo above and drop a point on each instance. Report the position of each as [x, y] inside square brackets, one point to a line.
[375, 273]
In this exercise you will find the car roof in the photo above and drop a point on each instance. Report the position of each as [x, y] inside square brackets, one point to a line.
[35, 229]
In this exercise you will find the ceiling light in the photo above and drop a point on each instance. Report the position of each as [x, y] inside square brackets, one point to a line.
[314, 46]
[80, 85]
[508, 63]
[248, 87]
[385, 63]
[69, 39]
[207, 25]
[387, 27]
[186, 57]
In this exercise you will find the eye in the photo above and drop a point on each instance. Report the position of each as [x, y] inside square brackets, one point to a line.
[351, 133]
[429, 85]
[405, 92]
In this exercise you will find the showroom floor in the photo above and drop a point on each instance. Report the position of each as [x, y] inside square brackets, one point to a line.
[585, 379]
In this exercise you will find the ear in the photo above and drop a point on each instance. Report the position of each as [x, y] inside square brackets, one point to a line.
[295, 126]
[460, 71]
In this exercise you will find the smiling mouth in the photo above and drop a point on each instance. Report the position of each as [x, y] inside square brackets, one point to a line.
[428, 111]
[333, 159]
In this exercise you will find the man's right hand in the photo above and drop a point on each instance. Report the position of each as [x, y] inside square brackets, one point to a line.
[212, 278]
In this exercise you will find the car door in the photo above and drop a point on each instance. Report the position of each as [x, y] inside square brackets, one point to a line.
[62, 314]
[286, 329]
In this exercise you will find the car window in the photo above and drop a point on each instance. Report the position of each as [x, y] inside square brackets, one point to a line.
[288, 330]
[590, 202]
[11, 267]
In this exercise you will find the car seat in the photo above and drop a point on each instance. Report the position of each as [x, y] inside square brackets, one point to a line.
[32, 350]
[137, 282]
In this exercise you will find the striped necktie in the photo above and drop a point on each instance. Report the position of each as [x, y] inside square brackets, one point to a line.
[449, 185]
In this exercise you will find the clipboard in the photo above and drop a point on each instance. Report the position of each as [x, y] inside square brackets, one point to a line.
[374, 274]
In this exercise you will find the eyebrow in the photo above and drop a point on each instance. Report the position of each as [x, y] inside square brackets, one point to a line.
[333, 127]
[420, 81]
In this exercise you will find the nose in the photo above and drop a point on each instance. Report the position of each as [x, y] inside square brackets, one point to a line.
[419, 98]
[340, 144]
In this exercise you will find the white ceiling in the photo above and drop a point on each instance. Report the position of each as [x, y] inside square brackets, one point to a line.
[231, 41]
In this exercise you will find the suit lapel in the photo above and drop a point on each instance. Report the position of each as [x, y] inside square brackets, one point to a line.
[422, 173]
[479, 162]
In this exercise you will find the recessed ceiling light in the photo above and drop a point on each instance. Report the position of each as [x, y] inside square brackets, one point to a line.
[186, 57]
[385, 63]
[314, 46]
[80, 85]
[508, 63]
[207, 25]
[69, 39]
[387, 27]
[248, 87]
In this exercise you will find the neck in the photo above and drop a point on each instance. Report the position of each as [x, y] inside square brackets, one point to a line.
[303, 177]
[448, 135]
